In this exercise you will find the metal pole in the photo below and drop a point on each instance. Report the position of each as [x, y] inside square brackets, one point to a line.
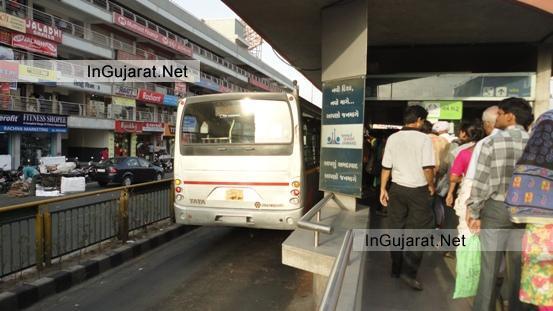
[39, 240]
[47, 218]
[123, 216]
[317, 232]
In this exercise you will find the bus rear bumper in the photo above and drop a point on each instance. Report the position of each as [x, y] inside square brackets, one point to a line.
[263, 219]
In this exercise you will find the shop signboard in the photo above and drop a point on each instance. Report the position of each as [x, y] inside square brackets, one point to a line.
[36, 75]
[150, 97]
[152, 127]
[12, 22]
[44, 31]
[208, 84]
[144, 31]
[125, 90]
[170, 100]
[123, 101]
[6, 38]
[342, 136]
[17, 121]
[9, 71]
[35, 44]
[128, 126]
[169, 130]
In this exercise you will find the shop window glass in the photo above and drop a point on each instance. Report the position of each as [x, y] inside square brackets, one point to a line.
[34, 146]
[4, 143]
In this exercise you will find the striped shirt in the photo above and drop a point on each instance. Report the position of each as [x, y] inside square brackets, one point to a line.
[495, 167]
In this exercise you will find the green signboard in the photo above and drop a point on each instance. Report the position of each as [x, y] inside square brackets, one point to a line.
[342, 136]
[444, 110]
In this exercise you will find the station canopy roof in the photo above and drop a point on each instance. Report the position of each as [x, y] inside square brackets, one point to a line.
[293, 27]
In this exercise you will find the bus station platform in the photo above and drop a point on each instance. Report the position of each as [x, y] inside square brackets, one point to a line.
[367, 283]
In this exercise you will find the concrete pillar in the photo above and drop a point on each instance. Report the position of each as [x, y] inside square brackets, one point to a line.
[543, 79]
[16, 150]
[344, 51]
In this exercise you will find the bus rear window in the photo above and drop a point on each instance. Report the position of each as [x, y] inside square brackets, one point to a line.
[237, 122]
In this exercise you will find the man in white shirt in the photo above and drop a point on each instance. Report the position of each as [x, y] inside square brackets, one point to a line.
[409, 159]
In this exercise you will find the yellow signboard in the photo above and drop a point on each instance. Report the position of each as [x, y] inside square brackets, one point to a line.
[12, 22]
[123, 101]
[35, 74]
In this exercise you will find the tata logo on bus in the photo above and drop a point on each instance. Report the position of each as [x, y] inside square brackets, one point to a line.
[197, 201]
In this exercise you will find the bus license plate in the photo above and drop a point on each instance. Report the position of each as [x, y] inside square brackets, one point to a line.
[235, 195]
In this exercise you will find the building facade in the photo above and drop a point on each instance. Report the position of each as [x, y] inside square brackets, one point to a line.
[127, 118]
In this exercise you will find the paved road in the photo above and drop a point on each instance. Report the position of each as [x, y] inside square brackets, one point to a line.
[210, 268]
[6, 200]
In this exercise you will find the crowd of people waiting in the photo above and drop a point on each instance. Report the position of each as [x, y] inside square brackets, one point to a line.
[494, 175]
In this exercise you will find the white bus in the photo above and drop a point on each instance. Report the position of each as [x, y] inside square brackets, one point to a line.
[246, 159]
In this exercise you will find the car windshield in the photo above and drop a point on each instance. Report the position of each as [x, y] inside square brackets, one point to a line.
[243, 121]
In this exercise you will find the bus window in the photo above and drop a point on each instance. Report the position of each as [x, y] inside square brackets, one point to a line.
[237, 122]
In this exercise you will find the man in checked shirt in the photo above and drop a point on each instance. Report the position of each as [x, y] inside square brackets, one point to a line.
[486, 209]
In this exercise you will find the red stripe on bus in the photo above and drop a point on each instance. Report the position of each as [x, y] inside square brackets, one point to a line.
[230, 183]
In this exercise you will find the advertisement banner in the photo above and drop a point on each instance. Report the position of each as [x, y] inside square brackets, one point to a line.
[342, 136]
[144, 31]
[36, 75]
[16, 121]
[35, 44]
[12, 22]
[149, 96]
[224, 89]
[128, 127]
[44, 31]
[123, 101]
[170, 100]
[443, 110]
[125, 90]
[152, 127]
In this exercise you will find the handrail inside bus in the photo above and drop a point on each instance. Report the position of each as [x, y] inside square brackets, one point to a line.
[305, 221]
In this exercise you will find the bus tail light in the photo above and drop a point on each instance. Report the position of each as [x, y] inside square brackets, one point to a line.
[177, 182]
[179, 197]
[295, 192]
[294, 200]
[296, 184]
[178, 189]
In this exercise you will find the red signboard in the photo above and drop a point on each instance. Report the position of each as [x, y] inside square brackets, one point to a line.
[259, 84]
[44, 31]
[149, 96]
[144, 31]
[35, 44]
[128, 126]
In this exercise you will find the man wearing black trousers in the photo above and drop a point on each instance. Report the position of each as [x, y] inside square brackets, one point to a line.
[409, 159]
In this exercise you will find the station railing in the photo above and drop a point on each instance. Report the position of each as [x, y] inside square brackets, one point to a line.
[36, 234]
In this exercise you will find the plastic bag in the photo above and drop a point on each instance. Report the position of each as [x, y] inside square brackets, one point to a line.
[468, 268]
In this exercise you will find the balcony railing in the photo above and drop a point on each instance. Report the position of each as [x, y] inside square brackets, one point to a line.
[15, 8]
[113, 7]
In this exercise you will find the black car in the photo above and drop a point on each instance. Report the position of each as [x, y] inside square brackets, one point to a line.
[126, 171]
